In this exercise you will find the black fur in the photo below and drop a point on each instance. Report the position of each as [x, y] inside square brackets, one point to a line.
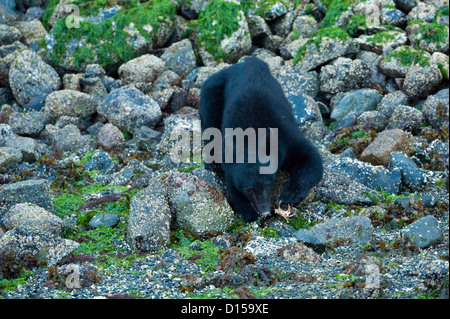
[247, 95]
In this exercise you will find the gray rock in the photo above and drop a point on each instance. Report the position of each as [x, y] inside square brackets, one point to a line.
[6, 133]
[199, 206]
[293, 81]
[412, 176]
[110, 138]
[395, 67]
[436, 111]
[406, 118]
[30, 123]
[307, 237]
[329, 49]
[275, 11]
[28, 146]
[180, 57]
[125, 174]
[35, 217]
[356, 230]
[258, 27]
[33, 191]
[344, 75]
[306, 25]
[69, 138]
[391, 40]
[421, 81]
[8, 34]
[8, 158]
[94, 71]
[94, 87]
[149, 219]
[357, 101]
[422, 11]
[390, 101]
[174, 127]
[373, 120]
[70, 103]
[393, 17]
[371, 176]
[100, 161]
[405, 5]
[146, 138]
[105, 219]
[29, 76]
[424, 232]
[143, 69]
[338, 187]
[129, 109]
[45, 246]
[305, 108]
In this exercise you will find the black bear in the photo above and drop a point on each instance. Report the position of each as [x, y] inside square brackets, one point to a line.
[246, 95]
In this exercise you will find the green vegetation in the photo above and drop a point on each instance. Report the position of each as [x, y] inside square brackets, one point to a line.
[441, 12]
[381, 37]
[7, 285]
[356, 23]
[335, 10]
[318, 36]
[433, 33]
[207, 255]
[408, 56]
[265, 6]
[218, 20]
[107, 42]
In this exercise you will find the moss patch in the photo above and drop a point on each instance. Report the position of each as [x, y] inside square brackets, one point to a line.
[334, 12]
[218, 20]
[433, 33]
[408, 56]
[318, 36]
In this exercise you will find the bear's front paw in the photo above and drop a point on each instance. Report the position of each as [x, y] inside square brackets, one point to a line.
[289, 198]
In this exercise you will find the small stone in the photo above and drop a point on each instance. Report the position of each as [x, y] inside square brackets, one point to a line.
[31, 191]
[180, 57]
[143, 69]
[412, 176]
[6, 133]
[129, 109]
[421, 81]
[70, 103]
[406, 118]
[28, 146]
[357, 101]
[344, 231]
[8, 158]
[35, 217]
[110, 138]
[388, 141]
[424, 232]
[105, 219]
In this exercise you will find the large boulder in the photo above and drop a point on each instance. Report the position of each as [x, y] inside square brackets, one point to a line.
[30, 76]
[129, 109]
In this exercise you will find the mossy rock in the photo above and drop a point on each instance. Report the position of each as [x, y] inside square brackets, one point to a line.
[432, 37]
[325, 45]
[223, 31]
[397, 63]
[130, 32]
[383, 42]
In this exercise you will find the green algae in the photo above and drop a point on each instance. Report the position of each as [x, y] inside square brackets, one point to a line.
[218, 20]
[107, 42]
